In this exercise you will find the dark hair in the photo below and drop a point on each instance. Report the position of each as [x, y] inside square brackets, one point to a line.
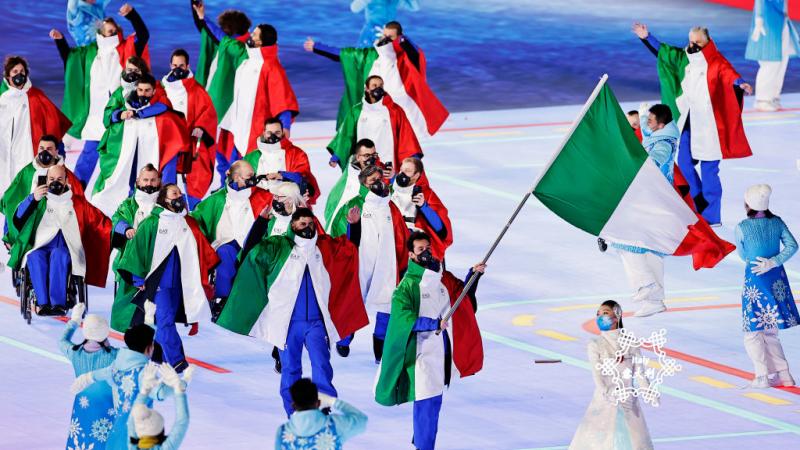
[179, 52]
[139, 337]
[234, 22]
[162, 194]
[49, 138]
[367, 143]
[752, 213]
[366, 172]
[147, 79]
[416, 236]
[394, 25]
[299, 213]
[372, 77]
[104, 345]
[614, 305]
[140, 64]
[662, 112]
[273, 120]
[304, 394]
[416, 162]
[269, 35]
[110, 20]
[12, 61]
[632, 112]
[150, 168]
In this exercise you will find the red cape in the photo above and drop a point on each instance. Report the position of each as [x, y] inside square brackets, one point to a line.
[401, 235]
[127, 48]
[95, 229]
[467, 342]
[406, 143]
[173, 139]
[46, 118]
[200, 113]
[74, 184]
[205, 254]
[726, 103]
[345, 304]
[417, 88]
[259, 198]
[438, 245]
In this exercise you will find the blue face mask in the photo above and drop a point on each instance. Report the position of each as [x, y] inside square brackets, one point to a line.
[605, 323]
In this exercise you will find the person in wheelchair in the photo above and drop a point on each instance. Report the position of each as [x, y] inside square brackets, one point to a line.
[125, 222]
[169, 260]
[60, 235]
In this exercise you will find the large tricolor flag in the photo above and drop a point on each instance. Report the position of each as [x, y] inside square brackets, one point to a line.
[602, 181]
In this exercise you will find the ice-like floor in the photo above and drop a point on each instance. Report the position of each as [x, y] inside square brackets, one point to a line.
[542, 286]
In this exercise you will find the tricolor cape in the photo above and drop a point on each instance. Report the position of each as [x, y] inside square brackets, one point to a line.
[45, 116]
[77, 79]
[189, 98]
[122, 310]
[439, 244]
[208, 212]
[717, 132]
[603, 182]
[296, 161]
[407, 85]
[405, 141]
[95, 231]
[247, 309]
[398, 371]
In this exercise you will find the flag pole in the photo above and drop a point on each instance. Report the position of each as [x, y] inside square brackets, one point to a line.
[527, 195]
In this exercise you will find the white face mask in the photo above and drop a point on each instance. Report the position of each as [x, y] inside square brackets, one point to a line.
[109, 42]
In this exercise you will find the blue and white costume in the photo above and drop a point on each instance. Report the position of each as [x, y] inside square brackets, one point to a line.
[773, 40]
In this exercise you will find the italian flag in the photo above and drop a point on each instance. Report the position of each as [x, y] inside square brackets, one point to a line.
[402, 80]
[209, 214]
[602, 182]
[692, 82]
[267, 283]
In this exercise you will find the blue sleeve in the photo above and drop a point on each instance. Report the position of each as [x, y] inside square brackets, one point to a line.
[121, 227]
[426, 324]
[652, 43]
[294, 177]
[178, 431]
[739, 238]
[215, 30]
[278, 439]
[433, 219]
[349, 420]
[170, 172]
[65, 344]
[660, 153]
[103, 374]
[789, 246]
[153, 110]
[334, 159]
[115, 116]
[23, 206]
[738, 81]
[137, 281]
[286, 119]
[327, 51]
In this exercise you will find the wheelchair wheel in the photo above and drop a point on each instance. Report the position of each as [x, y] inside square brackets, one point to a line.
[27, 300]
[16, 281]
[83, 294]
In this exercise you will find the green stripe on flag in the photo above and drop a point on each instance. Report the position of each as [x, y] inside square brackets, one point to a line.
[590, 174]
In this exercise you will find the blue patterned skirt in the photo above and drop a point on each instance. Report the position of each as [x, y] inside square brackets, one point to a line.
[92, 418]
[767, 301]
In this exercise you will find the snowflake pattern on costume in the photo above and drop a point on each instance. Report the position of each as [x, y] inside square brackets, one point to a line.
[779, 290]
[84, 401]
[767, 318]
[126, 406]
[111, 412]
[127, 385]
[101, 429]
[325, 439]
[751, 293]
[79, 445]
[75, 429]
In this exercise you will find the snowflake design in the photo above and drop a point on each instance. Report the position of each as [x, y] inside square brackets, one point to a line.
[288, 437]
[767, 317]
[79, 445]
[126, 406]
[111, 412]
[751, 293]
[326, 441]
[791, 321]
[84, 401]
[779, 289]
[654, 343]
[101, 429]
[127, 385]
[745, 323]
[75, 428]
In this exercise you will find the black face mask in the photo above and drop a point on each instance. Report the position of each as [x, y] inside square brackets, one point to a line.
[131, 77]
[251, 43]
[377, 93]
[251, 182]
[137, 101]
[307, 232]
[384, 40]
[56, 188]
[149, 189]
[179, 73]
[272, 138]
[402, 180]
[693, 48]
[279, 207]
[19, 79]
[426, 260]
[45, 158]
[379, 189]
[177, 204]
[370, 161]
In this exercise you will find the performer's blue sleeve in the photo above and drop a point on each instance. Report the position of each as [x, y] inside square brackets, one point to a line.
[178, 431]
[65, 343]
[426, 324]
[286, 119]
[433, 219]
[152, 110]
[349, 420]
[169, 174]
[327, 51]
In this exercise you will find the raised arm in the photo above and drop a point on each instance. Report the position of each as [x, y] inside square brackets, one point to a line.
[61, 44]
[349, 421]
[649, 41]
[142, 34]
[321, 49]
[201, 23]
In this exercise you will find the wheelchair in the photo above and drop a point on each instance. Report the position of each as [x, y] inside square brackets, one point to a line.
[77, 292]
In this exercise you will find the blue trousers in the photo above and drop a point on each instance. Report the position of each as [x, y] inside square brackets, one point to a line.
[167, 302]
[381, 324]
[314, 337]
[49, 267]
[707, 183]
[87, 161]
[223, 164]
[426, 422]
[226, 270]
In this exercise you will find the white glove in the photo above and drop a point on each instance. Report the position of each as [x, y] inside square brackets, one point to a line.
[326, 401]
[197, 133]
[77, 313]
[81, 383]
[188, 374]
[149, 313]
[149, 380]
[762, 265]
[644, 109]
[758, 29]
[171, 378]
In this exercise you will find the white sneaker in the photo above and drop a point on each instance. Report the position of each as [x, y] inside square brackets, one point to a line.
[761, 382]
[777, 103]
[765, 106]
[784, 378]
[650, 308]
